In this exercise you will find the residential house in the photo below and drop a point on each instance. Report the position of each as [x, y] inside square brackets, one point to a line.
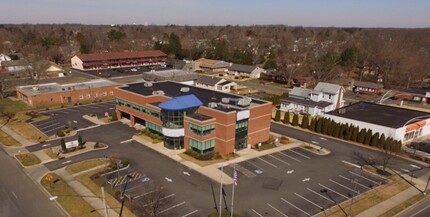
[285, 78]
[16, 65]
[48, 69]
[323, 98]
[413, 94]
[3, 58]
[245, 70]
[363, 87]
[215, 83]
[211, 66]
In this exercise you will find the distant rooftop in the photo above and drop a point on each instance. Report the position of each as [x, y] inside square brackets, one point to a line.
[55, 87]
[120, 55]
[206, 96]
[383, 115]
[172, 74]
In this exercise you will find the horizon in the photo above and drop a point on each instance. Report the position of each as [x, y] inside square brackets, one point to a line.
[309, 13]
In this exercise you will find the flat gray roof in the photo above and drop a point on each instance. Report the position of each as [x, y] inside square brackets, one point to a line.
[55, 87]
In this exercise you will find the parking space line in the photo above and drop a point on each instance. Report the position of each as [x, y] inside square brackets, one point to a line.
[358, 183]
[279, 159]
[172, 207]
[36, 124]
[171, 195]
[144, 194]
[277, 210]
[296, 207]
[72, 110]
[286, 155]
[333, 191]
[265, 161]
[190, 213]
[253, 164]
[83, 108]
[320, 195]
[257, 213]
[357, 192]
[63, 126]
[365, 178]
[298, 195]
[299, 154]
[41, 128]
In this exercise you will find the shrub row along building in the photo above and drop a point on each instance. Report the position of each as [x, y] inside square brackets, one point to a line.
[108, 60]
[197, 118]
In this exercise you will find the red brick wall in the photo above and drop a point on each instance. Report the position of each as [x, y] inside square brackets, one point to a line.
[259, 124]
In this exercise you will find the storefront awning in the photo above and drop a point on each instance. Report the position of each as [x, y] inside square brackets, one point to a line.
[416, 125]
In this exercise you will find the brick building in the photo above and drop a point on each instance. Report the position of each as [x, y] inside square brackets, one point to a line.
[50, 94]
[109, 60]
[192, 117]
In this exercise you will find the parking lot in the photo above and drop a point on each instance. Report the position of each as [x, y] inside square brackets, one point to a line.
[296, 182]
[71, 117]
[147, 194]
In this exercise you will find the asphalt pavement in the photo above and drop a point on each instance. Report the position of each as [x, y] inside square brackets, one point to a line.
[20, 196]
[420, 209]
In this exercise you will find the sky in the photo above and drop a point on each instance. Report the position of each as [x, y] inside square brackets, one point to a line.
[324, 13]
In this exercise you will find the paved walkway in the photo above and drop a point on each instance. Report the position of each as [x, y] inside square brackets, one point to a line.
[16, 136]
[84, 192]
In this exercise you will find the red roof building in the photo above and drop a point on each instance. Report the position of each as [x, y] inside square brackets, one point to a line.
[108, 60]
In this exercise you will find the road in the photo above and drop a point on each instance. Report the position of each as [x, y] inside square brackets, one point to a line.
[20, 196]
[420, 209]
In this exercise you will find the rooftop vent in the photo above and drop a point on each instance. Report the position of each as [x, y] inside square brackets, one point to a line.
[225, 100]
[158, 92]
[185, 89]
[212, 105]
[147, 84]
[35, 88]
[246, 101]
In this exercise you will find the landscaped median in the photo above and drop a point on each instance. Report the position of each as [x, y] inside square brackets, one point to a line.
[28, 159]
[73, 203]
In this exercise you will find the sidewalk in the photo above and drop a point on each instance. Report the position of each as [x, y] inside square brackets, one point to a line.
[17, 137]
[83, 191]
[394, 201]
[212, 171]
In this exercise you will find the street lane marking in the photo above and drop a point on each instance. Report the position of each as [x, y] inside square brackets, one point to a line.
[63, 126]
[286, 155]
[172, 207]
[46, 145]
[265, 161]
[357, 192]
[322, 138]
[190, 213]
[419, 211]
[298, 195]
[279, 159]
[333, 191]
[306, 179]
[169, 180]
[290, 171]
[277, 210]
[296, 207]
[14, 195]
[378, 183]
[351, 164]
[405, 170]
[66, 162]
[320, 195]
[299, 154]
[126, 141]
[257, 213]
[315, 142]
[415, 166]
[358, 183]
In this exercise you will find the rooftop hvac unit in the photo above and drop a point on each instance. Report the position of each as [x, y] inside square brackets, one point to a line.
[244, 101]
[212, 105]
[158, 92]
[147, 84]
[225, 100]
[185, 89]
[35, 88]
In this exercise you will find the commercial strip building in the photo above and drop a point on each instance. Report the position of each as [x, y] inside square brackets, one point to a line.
[109, 60]
[323, 98]
[192, 117]
[401, 124]
[50, 94]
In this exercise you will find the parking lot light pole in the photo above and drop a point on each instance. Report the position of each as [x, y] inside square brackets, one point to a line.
[122, 194]
[337, 204]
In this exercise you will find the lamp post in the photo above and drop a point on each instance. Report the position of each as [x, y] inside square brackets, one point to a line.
[122, 194]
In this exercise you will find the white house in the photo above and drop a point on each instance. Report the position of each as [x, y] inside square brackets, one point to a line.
[3, 58]
[399, 123]
[323, 98]
[16, 65]
[245, 70]
[214, 83]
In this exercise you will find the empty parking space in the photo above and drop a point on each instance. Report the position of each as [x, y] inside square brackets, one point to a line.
[71, 117]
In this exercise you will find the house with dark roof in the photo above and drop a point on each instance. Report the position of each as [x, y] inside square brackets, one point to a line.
[285, 78]
[399, 123]
[210, 66]
[16, 65]
[323, 98]
[108, 60]
[413, 94]
[215, 83]
[245, 70]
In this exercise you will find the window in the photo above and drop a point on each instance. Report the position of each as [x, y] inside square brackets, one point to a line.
[81, 96]
[202, 147]
[202, 130]
[329, 96]
[241, 136]
[104, 93]
[96, 95]
[111, 93]
[175, 119]
[174, 142]
[88, 96]
[153, 127]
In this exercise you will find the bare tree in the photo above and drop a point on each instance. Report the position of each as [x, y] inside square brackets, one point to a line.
[153, 201]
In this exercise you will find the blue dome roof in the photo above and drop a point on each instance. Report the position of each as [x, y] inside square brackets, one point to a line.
[181, 103]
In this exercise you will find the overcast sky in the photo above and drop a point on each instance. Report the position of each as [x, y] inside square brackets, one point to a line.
[344, 13]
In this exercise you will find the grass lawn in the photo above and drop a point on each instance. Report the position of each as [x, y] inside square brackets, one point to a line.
[85, 165]
[72, 80]
[266, 146]
[7, 106]
[94, 187]
[370, 198]
[6, 140]
[50, 153]
[28, 159]
[75, 205]
[403, 206]
[19, 125]
[105, 120]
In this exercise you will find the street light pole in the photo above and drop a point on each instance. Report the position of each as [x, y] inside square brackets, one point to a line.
[122, 194]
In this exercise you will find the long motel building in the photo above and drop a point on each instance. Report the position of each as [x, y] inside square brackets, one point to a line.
[192, 117]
